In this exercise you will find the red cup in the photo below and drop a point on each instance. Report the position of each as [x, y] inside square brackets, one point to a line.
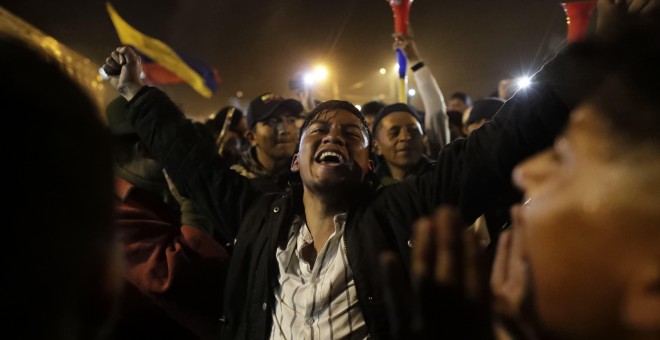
[401, 9]
[577, 18]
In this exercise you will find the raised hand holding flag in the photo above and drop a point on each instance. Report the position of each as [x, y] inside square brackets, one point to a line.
[162, 62]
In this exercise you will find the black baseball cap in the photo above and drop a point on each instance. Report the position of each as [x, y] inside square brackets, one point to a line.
[265, 105]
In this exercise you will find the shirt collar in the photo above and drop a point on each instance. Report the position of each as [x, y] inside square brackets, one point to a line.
[305, 237]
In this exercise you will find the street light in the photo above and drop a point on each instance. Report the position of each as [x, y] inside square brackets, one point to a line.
[309, 79]
[320, 73]
[523, 82]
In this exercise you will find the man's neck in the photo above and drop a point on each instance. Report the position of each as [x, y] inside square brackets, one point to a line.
[271, 165]
[399, 173]
[319, 214]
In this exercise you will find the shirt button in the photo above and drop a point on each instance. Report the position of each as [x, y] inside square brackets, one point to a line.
[276, 210]
[309, 321]
[264, 306]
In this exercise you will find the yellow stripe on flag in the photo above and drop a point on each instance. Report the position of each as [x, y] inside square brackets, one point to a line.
[158, 51]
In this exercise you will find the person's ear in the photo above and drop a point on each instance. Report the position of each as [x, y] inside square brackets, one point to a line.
[295, 166]
[427, 147]
[376, 147]
[641, 302]
[250, 136]
[371, 165]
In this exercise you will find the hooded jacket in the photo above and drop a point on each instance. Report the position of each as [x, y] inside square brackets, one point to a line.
[249, 167]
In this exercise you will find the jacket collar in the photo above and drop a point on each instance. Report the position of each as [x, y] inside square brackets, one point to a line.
[293, 200]
[250, 162]
[385, 176]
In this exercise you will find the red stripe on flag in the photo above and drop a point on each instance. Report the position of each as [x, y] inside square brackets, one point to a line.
[158, 75]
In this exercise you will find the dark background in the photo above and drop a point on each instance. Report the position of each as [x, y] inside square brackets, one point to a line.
[258, 46]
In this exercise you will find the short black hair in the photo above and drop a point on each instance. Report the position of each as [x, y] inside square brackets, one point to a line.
[372, 108]
[627, 96]
[462, 97]
[334, 105]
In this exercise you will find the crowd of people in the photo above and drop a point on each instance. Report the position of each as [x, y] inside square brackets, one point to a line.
[529, 216]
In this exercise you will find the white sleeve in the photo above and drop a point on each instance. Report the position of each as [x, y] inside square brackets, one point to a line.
[436, 122]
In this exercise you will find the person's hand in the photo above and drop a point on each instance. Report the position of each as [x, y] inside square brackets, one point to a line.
[449, 290]
[612, 13]
[509, 283]
[123, 68]
[406, 42]
[306, 98]
[641, 7]
[514, 308]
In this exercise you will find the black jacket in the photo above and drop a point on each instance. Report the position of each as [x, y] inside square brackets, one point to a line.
[382, 170]
[469, 174]
[262, 180]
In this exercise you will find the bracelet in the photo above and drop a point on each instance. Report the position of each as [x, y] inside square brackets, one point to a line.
[417, 66]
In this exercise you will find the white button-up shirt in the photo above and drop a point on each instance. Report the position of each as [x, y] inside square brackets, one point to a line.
[319, 301]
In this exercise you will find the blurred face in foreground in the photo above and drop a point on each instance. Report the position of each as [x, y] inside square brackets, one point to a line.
[592, 232]
[334, 152]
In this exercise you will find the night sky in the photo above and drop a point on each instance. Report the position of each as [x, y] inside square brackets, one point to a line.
[257, 46]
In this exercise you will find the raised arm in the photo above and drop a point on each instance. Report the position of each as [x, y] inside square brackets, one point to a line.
[189, 157]
[436, 122]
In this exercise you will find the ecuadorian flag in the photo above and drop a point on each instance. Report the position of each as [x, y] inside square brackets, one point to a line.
[163, 65]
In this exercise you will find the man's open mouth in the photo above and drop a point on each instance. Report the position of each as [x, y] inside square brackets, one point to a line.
[330, 158]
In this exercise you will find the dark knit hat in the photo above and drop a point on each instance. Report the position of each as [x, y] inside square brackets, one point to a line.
[117, 116]
[398, 107]
[265, 105]
[484, 108]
